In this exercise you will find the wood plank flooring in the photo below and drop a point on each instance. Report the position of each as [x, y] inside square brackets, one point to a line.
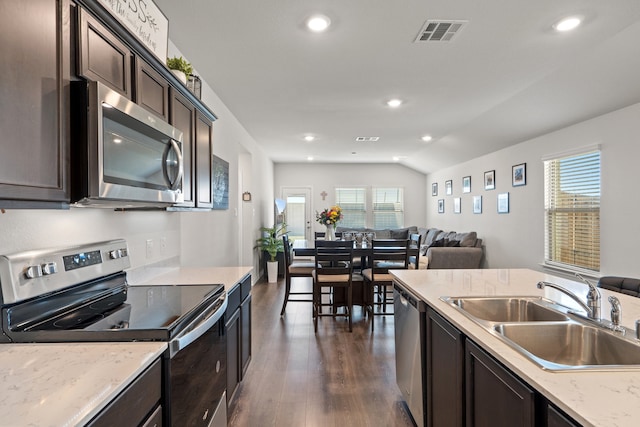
[298, 378]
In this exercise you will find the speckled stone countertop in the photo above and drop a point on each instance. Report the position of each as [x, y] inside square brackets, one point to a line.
[66, 384]
[591, 398]
[228, 276]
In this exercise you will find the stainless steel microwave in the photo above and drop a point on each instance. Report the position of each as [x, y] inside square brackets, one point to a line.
[122, 155]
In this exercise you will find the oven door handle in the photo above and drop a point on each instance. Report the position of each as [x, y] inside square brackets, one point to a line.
[181, 341]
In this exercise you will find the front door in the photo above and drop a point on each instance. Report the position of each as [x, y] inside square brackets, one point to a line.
[297, 213]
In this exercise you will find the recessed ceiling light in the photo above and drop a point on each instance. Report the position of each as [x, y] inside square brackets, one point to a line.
[318, 23]
[567, 24]
[310, 158]
[309, 138]
[396, 158]
[394, 103]
[427, 138]
[117, 140]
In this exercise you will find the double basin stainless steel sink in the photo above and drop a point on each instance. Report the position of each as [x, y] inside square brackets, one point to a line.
[551, 335]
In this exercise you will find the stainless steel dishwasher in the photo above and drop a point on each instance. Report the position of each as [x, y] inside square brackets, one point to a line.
[410, 327]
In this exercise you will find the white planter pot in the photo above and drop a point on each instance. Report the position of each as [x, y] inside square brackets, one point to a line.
[181, 75]
[272, 271]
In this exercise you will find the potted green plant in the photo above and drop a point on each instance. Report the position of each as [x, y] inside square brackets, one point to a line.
[180, 67]
[271, 243]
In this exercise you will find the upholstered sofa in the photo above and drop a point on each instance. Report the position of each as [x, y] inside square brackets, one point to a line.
[439, 249]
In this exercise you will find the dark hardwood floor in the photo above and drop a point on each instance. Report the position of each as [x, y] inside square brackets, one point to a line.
[298, 378]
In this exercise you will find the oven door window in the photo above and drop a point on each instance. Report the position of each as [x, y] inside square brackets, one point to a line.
[135, 154]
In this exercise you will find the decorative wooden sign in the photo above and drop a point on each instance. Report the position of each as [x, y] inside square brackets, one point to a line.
[144, 20]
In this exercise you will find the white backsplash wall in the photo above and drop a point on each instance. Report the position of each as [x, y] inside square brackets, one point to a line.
[22, 230]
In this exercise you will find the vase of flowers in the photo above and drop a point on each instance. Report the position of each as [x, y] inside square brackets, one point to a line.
[329, 218]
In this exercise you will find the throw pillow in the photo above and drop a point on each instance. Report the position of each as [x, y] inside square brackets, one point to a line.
[399, 233]
[467, 239]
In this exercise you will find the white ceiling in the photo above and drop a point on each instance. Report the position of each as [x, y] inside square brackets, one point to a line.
[505, 78]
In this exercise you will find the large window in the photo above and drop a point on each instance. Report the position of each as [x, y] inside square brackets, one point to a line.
[371, 207]
[388, 208]
[352, 201]
[572, 209]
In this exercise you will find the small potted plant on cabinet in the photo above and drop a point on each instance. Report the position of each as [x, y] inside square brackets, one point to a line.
[180, 67]
[271, 243]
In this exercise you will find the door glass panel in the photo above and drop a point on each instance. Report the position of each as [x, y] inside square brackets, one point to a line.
[295, 214]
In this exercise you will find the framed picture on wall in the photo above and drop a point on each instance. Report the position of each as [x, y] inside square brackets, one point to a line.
[441, 206]
[503, 203]
[490, 180]
[466, 184]
[456, 205]
[220, 183]
[448, 187]
[477, 204]
[434, 189]
[519, 175]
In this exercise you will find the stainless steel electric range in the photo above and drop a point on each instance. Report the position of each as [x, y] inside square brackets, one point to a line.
[81, 293]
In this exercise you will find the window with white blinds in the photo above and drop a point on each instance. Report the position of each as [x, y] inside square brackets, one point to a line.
[352, 201]
[388, 208]
[572, 211]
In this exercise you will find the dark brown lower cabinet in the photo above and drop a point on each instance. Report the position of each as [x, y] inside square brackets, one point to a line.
[238, 324]
[445, 373]
[138, 404]
[555, 418]
[494, 396]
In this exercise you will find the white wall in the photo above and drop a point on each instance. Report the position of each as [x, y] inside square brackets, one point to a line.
[326, 177]
[517, 239]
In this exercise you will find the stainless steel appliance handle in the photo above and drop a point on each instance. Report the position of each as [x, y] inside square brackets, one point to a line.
[181, 342]
[176, 148]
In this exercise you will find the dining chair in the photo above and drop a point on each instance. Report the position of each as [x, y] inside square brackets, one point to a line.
[335, 274]
[295, 269]
[321, 234]
[385, 255]
[414, 250]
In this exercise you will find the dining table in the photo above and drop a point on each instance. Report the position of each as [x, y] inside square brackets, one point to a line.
[362, 295]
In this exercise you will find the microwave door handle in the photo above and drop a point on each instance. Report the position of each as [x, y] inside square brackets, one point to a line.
[182, 341]
[176, 148]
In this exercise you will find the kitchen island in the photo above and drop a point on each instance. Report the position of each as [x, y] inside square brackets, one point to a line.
[591, 398]
[67, 384]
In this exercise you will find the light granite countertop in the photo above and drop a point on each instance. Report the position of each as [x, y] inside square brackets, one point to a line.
[591, 398]
[228, 276]
[67, 384]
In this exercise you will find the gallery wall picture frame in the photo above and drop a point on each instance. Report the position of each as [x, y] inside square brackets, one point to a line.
[434, 189]
[448, 187]
[490, 180]
[456, 205]
[466, 184]
[519, 175]
[220, 183]
[440, 205]
[503, 203]
[477, 204]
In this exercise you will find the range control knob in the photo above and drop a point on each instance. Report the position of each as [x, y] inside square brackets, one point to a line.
[33, 271]
[115, 254]
[49, 268]
[118, 253]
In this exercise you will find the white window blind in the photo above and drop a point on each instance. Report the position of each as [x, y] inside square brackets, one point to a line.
[572, 211]
[352, 201]
[388, 208]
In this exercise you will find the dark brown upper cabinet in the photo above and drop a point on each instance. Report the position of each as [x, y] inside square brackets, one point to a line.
[102, 56]
[152, 90]
[204, 159]
[183, 117]
[34, 103]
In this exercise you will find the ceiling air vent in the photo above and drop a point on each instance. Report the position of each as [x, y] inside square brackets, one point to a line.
[367, 138]
[439, 31]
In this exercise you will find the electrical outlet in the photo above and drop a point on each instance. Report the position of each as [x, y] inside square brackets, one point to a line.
[149, 248]
[163, 245]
